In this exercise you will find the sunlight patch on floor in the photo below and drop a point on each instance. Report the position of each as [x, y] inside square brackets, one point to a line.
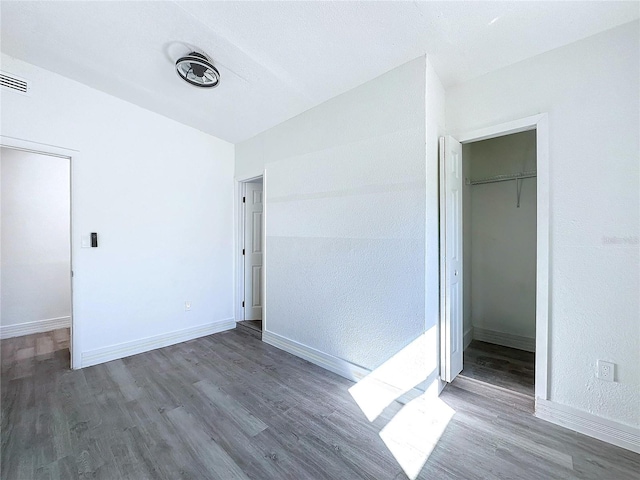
[398, 375]
[415, 430]
[412, 434]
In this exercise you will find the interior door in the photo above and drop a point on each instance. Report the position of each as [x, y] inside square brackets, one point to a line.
[451, 283]
[253, 251]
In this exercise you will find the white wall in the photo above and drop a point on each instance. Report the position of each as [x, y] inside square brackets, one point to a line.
[502, 237]
[160, 196]
[34, 212]
[345, 221]
[590, 90]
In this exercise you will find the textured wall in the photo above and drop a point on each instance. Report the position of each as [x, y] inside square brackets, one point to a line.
[345, 223]
[591, 91]
[502, 237]
[160, 196]
[34, 211]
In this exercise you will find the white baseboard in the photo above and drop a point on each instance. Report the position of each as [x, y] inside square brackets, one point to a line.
[588, 424]
[121, 350]
[336, 365]
[341, 367]
[468, 336]
[504, 339]
[27, 328]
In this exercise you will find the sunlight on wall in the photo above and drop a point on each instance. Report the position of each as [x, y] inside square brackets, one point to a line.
[414, 432]
[398, 375]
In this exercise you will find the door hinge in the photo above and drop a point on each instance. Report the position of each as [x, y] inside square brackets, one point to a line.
[243, 304]
[244, 199]
[243, 251]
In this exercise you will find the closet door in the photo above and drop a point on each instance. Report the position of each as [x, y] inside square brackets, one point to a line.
[451, 299]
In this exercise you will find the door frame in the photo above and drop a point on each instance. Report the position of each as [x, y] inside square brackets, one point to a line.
[540, 124]
[73, 156]
[239, 245]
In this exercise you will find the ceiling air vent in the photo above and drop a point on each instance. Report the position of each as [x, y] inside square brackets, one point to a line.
[15, 84]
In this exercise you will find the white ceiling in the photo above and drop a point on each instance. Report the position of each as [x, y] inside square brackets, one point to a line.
[278, 59]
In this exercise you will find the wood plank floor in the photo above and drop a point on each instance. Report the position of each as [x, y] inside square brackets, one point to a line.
[252, 325]
[229, 406]
[501, 366]
[39, 345]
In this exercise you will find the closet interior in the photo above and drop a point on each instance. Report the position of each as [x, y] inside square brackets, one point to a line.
[499, 253]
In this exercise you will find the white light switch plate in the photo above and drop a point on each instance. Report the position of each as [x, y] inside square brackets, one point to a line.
[85, 241]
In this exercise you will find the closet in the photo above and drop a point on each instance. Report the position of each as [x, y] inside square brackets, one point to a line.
[499, 252]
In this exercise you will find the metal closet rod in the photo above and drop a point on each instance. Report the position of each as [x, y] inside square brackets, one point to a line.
[501, 178]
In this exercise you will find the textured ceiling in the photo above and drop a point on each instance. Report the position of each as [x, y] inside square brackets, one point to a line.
[278, 59]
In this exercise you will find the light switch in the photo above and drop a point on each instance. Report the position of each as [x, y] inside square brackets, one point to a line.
[85, 241]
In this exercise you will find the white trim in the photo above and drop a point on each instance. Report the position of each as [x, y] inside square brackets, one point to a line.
[264, 250]
[609, 431]
[507, 128]
[121, 350]
[543, 217]
[341, 367]
[468, 336]
[240, 191]
[74, 157]
[37, 147]
[37, 326]
[239, 261]
[336, 365]
[505, 339]
[540, 123]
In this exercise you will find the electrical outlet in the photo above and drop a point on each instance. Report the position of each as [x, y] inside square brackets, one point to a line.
[187, 306]
[606, 371]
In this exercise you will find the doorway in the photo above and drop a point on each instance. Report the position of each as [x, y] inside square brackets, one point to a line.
[499, 261]
[494, 225]
[35, 252]
[251, 256]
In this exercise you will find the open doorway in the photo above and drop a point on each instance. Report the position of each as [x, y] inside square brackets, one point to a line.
[501, 276]
[251, 253]
[35, 253]
[499, 261]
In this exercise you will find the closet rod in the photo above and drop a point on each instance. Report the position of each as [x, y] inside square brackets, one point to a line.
[501, 178]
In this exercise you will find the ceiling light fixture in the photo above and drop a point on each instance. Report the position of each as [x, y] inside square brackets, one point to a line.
[197, 70]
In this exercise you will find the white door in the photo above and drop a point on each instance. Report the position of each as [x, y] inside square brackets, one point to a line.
[253, 251]
[451, 258]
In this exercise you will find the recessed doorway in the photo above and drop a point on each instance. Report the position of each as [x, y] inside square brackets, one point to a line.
[499, 261]
[494, 271]
[251, 256]
[35, 252]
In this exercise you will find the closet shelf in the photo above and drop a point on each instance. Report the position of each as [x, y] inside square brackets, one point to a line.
[501, 178]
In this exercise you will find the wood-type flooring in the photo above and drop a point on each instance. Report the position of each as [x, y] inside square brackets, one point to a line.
[228, 406]
[254, 326]
[501, 366]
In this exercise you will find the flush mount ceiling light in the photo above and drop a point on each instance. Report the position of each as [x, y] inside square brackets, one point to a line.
[197, 70]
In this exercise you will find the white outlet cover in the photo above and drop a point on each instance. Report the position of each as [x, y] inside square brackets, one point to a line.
[606, 371]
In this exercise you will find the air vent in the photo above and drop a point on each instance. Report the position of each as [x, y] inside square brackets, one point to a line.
[14, 84]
